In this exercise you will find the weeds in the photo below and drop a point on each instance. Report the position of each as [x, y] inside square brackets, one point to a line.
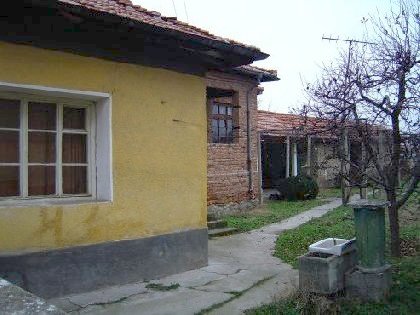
[161, 287]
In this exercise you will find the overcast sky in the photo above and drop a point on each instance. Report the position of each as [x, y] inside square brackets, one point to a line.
[290, 31]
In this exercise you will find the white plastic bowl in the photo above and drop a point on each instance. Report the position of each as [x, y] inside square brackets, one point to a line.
[333, 246]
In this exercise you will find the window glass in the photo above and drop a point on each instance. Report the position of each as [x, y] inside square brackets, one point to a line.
[9, 113]
[229, 129]
[74, 180]
[215, 130]
[222, 110]
[9, 146]
[222, 123]
[222, 129]
[9, 181]
[41, 142]
[74, 148]
[42, 116]
[41, 147]
[41, 180]
[229, 111]
[74, 118]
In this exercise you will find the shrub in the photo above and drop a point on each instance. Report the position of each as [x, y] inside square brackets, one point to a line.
[299, 187]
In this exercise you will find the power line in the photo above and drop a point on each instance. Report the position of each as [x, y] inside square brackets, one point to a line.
[186, 12]
[173, 4]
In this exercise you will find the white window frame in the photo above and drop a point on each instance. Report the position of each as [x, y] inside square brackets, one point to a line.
[98, 120]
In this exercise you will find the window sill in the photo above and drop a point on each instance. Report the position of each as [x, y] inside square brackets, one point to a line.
[45, 202]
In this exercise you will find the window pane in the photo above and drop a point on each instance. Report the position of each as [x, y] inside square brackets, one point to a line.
[74, 180]
[229, 131]
[229, 128]
[74, 148]
[222, 129]
[222, 110]
[214, 131]
[74, 118]
[9, 146]
[42, 116]
[215, 109]
[9, 181]
[41, 180]
[41, 147]
[9, 113]
[229, 111]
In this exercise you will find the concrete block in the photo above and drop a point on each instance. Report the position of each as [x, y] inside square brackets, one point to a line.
[368, 285]
[14, 300]
[323, 273]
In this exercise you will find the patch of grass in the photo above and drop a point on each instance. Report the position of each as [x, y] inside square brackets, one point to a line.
[410, 231]
[284, 307]
[405, 292]
[338, 223]
[274, 211]
[410, 212]
[329, 193]
[404, 298]
[161, 287]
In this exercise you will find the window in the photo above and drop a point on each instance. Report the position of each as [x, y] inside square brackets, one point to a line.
[222, 123]
[46, 147]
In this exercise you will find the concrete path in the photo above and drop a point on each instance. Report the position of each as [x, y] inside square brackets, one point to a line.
[242, 274]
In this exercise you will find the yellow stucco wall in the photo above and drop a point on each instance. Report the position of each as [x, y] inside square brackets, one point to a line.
[159, 166]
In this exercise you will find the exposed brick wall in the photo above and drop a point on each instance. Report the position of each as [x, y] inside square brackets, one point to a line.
[227, 170]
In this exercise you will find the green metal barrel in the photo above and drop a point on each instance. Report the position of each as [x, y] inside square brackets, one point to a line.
[369, 216]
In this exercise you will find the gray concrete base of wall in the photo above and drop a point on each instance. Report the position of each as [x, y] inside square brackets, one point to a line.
[325, 275]
[219, 210]
[368, 286]
[79, 269]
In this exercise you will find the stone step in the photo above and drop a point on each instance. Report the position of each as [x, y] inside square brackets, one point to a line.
[222, 232]
[216, 224]
[211, 217]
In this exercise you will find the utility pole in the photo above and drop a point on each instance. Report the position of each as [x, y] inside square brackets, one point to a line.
[345, 145]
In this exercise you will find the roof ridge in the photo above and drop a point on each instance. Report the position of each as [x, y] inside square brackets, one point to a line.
[276, 113]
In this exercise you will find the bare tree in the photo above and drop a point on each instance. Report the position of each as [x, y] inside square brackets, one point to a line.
[372, 93]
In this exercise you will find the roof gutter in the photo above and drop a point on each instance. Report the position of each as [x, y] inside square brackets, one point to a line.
[248, 137]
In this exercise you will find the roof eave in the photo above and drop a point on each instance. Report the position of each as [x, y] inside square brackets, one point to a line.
[257, 75]
[248, 54]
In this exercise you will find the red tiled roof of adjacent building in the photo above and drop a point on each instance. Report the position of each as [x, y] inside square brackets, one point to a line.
[280, 124]
[126, 9]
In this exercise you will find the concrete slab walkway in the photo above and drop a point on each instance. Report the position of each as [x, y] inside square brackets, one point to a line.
[242, 274]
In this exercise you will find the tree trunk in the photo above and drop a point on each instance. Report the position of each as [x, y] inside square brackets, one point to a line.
[394, 227]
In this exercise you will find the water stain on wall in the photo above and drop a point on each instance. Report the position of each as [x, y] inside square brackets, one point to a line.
[51, 225]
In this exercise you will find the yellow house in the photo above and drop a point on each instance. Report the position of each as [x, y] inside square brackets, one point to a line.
[103, 143]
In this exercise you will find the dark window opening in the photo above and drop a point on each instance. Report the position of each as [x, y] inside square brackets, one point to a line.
[222, 123]
[222, 115]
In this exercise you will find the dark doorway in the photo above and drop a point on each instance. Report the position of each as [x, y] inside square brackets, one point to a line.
[273, 163]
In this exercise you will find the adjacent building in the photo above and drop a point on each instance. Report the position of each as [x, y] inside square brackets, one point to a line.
[233, 168]
[292, 145]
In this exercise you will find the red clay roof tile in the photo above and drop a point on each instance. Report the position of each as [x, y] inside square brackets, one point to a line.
[126, 9]
[280, 124]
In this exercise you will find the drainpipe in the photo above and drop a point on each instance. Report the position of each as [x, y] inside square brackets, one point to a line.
[248, 137]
